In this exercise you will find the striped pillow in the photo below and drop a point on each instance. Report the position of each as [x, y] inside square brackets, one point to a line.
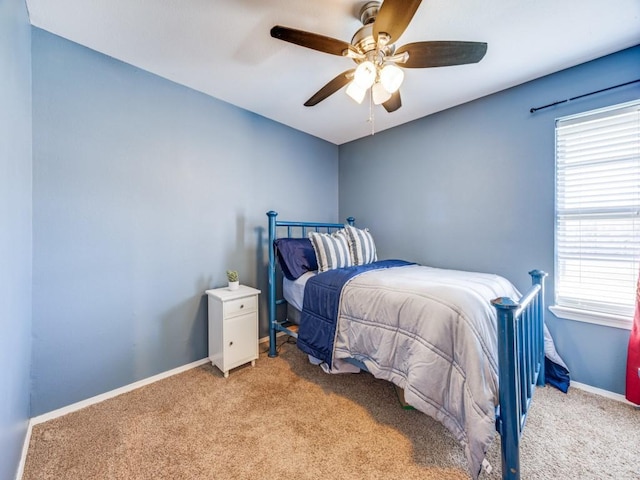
[361, 245]
[332, 250]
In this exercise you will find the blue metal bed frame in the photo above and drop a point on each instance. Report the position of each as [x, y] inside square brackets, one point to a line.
[520, 343]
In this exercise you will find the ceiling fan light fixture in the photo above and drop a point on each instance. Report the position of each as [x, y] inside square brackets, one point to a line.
[379, 93]
[373, 50]
[356, 92]
[365, 74]
[391, 77]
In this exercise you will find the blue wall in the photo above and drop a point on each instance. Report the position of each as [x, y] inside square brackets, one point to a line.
[473, 188]
[15, 231]
[145, 192]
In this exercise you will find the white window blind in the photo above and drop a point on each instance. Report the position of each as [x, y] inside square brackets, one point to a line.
[598, 210]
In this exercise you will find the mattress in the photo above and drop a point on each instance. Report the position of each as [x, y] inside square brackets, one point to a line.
[293, 290]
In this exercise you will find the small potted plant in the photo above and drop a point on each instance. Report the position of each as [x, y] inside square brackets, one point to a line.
[232, 276]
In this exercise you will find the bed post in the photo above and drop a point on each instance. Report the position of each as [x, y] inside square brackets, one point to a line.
[537, 278]
[272, 284]
[508, 421]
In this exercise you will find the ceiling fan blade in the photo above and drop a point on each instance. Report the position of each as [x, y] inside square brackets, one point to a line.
[310, 40]
[394, 17]
[394, 103]
[330, 88]
[442, 54]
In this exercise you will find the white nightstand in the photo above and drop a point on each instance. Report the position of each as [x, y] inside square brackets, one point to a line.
[233, 327]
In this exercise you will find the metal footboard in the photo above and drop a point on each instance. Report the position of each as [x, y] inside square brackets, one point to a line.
[521, 367]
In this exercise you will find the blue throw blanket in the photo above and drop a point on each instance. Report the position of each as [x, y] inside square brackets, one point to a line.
[318, 322]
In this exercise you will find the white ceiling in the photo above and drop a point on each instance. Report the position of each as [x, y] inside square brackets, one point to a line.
[223, 48]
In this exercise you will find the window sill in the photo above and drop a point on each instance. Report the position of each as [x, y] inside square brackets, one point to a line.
[604, 319]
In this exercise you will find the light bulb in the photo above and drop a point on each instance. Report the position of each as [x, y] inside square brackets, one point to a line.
[379, 93]
[391, 77]
[356, 92]
[365, 74]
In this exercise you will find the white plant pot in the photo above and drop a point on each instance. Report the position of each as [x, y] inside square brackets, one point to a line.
[234, 285]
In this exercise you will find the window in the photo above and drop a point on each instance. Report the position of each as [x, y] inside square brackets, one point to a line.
[598, 215]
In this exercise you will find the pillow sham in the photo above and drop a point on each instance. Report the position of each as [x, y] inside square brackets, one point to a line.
[295, 256]
[361, 245]
[332, 250]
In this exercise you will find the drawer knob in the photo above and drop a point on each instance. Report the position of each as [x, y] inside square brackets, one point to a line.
[230, 343]
[242, 306]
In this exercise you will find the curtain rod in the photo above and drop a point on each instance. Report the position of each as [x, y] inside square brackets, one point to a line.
[535, 109]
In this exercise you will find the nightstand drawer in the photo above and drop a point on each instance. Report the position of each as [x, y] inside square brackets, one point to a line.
[240, 306]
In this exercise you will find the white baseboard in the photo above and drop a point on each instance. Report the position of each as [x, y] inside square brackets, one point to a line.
[119, 391]
[100, 398]
[114, 393]
[601, 392]
[93, 400]
[25, 450]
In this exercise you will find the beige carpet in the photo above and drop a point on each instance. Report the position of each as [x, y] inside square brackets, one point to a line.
[285, 419]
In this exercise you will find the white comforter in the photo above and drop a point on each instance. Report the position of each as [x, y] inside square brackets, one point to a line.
[432, 332]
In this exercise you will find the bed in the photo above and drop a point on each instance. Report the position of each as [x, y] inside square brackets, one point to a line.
[466, 348]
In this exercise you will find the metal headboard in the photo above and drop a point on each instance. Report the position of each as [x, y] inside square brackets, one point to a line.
[291, 230]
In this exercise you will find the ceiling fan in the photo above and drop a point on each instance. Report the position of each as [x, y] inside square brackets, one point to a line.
[378, 60]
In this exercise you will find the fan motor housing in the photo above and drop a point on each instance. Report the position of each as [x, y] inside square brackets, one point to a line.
[363, 40]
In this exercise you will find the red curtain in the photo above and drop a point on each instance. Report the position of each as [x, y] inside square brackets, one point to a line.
[633, 355]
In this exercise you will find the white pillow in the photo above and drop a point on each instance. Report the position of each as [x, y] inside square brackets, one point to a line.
[361, 245]
[332, 250]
